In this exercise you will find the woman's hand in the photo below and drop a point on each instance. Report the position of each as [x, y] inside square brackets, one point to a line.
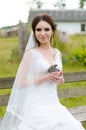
[54, 76]
[57, 77]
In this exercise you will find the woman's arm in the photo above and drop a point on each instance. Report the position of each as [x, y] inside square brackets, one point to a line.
[54, 76]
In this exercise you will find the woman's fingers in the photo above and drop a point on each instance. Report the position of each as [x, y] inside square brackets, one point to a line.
[56, 76]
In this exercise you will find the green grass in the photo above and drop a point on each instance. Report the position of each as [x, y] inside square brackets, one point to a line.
[73, 84]
[3, 108]
[5, 91]
[6, 46]
[76, 101]
[2, 111]
[8, 67]
[73, 102]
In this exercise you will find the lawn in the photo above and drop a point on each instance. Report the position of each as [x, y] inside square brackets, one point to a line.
[8, 65]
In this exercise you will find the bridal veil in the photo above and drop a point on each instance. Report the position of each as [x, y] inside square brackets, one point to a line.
[22, 91]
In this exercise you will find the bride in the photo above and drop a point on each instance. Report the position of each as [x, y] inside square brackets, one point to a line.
[34, 103]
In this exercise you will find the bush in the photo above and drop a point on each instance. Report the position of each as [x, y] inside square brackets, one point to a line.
[74, 50]
[79, 55]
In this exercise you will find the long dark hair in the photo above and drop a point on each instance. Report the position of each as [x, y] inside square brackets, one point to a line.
[43, 17]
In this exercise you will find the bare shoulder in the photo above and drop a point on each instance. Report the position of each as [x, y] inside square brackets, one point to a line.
[58, 51]
[30, 51]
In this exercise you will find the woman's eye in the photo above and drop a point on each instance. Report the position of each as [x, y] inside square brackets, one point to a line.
[38, 29]
[47, 29]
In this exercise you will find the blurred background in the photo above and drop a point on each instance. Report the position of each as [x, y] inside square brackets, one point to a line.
[70, 38]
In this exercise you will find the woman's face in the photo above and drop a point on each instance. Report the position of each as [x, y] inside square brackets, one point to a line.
[43, 32]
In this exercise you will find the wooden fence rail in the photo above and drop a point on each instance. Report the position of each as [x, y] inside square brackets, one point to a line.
[78, 112]
[69, 77]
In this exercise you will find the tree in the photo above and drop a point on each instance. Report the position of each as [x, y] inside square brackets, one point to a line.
[82, 3]
[60, 4]
[35, 4]
[23, 37]
[39, 4]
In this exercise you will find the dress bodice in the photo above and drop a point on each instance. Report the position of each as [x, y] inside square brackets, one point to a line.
[45, 92]
[41, 65]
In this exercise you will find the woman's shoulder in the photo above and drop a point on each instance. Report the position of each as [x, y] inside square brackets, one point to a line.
[29, 50]
[57, 51]
[32, 52]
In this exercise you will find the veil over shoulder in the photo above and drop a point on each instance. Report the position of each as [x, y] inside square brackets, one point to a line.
[21, 91]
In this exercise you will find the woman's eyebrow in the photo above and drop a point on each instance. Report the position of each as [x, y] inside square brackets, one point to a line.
[38, 29]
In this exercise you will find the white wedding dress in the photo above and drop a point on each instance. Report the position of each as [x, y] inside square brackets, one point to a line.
[45, 111]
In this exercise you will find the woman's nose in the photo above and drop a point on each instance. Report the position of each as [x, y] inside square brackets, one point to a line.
[42, 32]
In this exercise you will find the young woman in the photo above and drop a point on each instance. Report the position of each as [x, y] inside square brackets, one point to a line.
[34, 103]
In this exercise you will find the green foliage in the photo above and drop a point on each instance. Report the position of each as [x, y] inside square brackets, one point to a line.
[84, 125]
[82, 3]
[79, 55]
[55, 40]
[74, 50]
